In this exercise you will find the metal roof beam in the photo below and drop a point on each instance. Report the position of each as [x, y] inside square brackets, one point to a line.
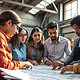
[55, 6]
[30, 6]
[44, 20]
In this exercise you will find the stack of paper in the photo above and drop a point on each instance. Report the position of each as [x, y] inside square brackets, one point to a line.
[16, 74]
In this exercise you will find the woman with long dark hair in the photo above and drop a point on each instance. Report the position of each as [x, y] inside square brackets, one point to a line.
[35, 46]
[17, 46]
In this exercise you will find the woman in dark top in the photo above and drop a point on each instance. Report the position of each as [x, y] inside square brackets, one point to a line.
[35, 46]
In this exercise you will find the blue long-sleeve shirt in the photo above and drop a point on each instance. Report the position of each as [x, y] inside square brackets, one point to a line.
[19, 53]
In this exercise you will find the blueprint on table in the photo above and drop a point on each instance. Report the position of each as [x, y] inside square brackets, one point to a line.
[43, 72]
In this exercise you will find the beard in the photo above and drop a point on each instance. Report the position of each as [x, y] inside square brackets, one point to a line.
[54, 38]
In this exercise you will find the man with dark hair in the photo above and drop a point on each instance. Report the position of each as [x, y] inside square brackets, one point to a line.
[9, 25]
[55, 46]
[75, 55]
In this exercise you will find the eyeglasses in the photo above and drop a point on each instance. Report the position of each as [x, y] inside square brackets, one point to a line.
[17, 26]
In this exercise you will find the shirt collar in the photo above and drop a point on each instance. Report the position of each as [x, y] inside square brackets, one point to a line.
[59, 40]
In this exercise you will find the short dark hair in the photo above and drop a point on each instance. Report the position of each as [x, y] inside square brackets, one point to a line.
[75, 20]
[9, 15]
[52, 25]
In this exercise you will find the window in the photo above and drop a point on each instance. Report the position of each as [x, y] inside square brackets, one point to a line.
[68, 11]
[71, 9]
[74, 9]
[78, 6]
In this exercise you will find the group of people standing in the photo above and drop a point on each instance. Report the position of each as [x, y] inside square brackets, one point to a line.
[17, 50]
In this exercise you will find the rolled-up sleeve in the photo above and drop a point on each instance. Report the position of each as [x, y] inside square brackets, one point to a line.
[68, 48]
[70, 58]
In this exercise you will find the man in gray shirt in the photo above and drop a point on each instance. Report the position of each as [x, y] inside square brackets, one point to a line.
[55, 47]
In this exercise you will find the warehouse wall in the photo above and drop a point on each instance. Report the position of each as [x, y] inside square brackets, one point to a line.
[29, 21]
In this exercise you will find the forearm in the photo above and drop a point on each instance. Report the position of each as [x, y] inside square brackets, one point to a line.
[67, 60]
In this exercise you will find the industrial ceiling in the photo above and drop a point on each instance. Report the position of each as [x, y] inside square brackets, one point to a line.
[26, 5]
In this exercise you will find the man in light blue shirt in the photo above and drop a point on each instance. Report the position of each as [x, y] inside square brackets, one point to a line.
[55, 47]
